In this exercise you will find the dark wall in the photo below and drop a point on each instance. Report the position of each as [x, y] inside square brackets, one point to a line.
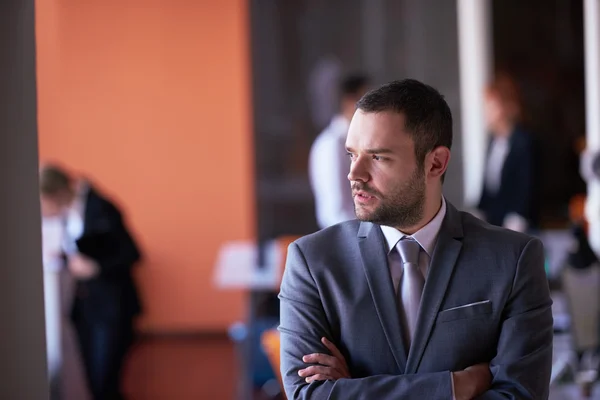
[388, 39]
[541, 44]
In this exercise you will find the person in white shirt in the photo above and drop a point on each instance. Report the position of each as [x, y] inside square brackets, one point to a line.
[329, 162]
[509, 189]
[99, 252]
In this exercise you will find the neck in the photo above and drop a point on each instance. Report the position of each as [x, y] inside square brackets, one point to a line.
[433, 203]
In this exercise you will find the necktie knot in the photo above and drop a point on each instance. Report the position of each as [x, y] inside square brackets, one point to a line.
[409, 250]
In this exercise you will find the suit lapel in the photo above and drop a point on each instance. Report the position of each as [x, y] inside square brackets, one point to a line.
[442, 265]
[375, 263]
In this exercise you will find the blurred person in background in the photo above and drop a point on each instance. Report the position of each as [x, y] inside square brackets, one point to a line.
[509, 181]
[329, 162]
[99, 253]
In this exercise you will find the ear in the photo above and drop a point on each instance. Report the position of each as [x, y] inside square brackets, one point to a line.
[436, 162]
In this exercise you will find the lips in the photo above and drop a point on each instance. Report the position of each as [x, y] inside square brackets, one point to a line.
[364, 195]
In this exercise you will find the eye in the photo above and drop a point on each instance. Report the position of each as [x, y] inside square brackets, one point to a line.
[351, 155]
[378, 158]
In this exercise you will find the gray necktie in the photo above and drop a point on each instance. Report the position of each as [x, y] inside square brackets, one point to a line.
[412, 284]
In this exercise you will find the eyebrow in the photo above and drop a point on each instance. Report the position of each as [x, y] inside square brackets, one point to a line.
[373, 151]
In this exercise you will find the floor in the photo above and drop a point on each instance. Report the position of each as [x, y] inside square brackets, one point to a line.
[189, 368]
[182, 368]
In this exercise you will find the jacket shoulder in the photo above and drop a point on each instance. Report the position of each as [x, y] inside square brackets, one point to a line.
[476, 230]
[326, 239]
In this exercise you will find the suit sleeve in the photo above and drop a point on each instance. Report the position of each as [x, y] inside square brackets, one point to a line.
[126, 252]
[523, 186]
[523, 364]
[303, 323]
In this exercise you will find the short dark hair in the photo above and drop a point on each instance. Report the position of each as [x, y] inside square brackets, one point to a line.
[427, 115]
[54, 180]
[353, 85]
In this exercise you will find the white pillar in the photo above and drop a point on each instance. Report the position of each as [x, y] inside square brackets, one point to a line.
[52, 233]
[591, 14]
[475, 47]
[22, 346]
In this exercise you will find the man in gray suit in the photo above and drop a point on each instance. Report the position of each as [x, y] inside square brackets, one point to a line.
[415, 300]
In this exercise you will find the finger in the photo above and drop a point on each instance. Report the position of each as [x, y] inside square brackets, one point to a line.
[317, 370]
[343, 366]
[319, 377]
[334, 350]
[323, 359]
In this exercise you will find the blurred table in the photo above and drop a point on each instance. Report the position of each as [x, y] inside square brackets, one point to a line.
[238, 266]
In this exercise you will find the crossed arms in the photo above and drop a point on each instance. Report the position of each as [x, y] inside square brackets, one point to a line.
[520, 369]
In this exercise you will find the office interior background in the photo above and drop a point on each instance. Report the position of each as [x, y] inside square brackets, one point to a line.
[197, 118]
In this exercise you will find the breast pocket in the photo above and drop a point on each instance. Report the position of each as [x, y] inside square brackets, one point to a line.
[467, 311]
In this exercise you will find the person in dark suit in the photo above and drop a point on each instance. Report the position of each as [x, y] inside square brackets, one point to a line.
[415, 299]
[99, 252]
[510, 184]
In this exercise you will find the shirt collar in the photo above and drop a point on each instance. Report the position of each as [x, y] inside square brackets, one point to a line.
[426, 236]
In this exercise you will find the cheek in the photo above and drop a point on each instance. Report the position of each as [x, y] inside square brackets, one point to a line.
[385, 180]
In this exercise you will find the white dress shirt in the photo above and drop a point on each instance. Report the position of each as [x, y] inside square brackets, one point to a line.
[52, 243]
[328, 167]
[74, 220]
[426, 237]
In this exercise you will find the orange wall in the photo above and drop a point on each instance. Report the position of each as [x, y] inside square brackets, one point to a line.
[151, 99]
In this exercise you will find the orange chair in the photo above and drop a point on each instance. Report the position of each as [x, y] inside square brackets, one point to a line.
[270, 339]
[270, 343]
[577, 210]
[282, 243]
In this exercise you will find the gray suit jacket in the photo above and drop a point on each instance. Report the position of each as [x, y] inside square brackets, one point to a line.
[486, 299]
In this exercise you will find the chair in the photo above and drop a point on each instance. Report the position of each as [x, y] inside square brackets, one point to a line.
[577, 210]
[282, 243]
[270, 342]
[582, 291]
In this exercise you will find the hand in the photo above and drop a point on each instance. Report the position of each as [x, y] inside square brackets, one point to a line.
[332, 367]
[472, 382]
[83, 267]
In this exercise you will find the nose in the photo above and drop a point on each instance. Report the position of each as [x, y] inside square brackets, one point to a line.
[358, 170]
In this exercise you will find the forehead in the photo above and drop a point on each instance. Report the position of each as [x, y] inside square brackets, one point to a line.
[378, 130]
